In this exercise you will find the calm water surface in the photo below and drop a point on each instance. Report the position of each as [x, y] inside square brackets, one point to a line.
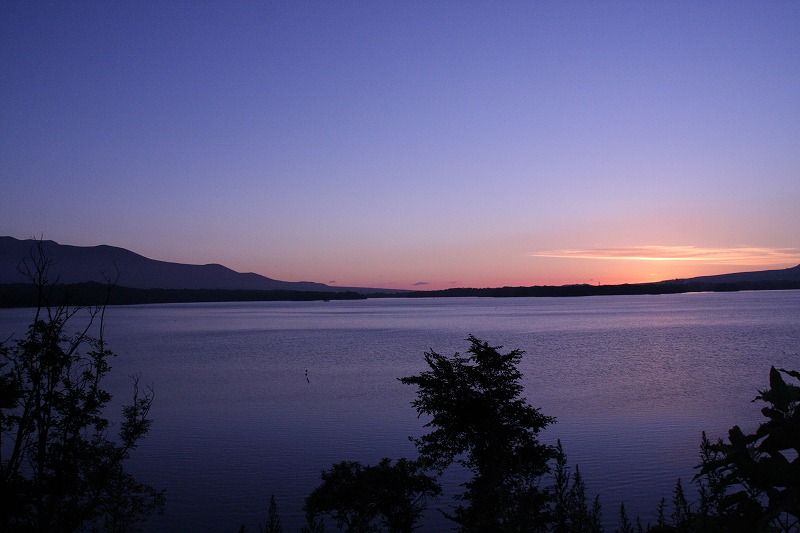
[632, 381]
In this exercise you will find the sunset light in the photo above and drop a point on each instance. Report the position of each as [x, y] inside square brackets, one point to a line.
[408, 145]
[722, 256]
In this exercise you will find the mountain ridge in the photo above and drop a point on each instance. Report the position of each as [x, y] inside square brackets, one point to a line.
[783, 274]
[80, 264]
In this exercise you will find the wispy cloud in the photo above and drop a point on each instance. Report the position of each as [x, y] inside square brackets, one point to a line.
[731, 256]
[421, 283]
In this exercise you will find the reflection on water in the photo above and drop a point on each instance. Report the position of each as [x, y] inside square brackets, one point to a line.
[632, 380]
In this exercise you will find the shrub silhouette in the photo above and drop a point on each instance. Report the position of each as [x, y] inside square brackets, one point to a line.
[751, 482]
[361, 499]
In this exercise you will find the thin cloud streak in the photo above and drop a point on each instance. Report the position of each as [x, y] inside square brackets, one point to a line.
[731, 256]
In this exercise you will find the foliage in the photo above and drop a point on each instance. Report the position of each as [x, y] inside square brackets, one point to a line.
[681, 512]
[383, 497]
[480, 421]
[625, 525]
[59, 470]
[752, 481]
[273, 518]
[571, 513]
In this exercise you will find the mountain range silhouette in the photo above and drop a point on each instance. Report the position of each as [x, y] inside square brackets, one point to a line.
[80, 264]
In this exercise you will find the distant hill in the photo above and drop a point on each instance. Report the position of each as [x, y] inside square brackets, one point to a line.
[783, 279]
[81, 264]
[784, 274]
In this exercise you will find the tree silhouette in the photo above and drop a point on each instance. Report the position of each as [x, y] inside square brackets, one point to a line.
[59, 470]
[481, 422]
[570, 508]
[273, 519]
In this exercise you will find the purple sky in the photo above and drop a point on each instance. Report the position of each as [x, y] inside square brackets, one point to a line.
[394, 143]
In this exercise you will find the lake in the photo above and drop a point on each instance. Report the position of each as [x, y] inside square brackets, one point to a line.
[632, 381]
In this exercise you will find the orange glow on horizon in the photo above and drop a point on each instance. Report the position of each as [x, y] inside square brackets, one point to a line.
[726, 256]
[616, 266]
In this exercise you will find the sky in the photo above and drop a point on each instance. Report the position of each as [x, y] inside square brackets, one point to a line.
[408, 144]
